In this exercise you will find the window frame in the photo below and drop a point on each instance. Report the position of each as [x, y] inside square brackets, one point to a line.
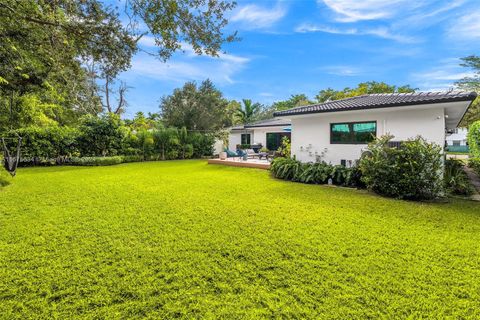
[350, 124]
[249, 138]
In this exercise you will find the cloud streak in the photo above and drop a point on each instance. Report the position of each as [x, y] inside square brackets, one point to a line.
[381, 32]
[253, 16]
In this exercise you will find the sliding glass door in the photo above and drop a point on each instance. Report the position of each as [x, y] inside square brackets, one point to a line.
[274, 139]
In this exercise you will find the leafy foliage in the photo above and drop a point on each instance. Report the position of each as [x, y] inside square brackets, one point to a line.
[249, 112]
[315, 173]
[471, 83]
[362, 88]
[285, 149]
[196, 108]
[455, 178]
[412, 171]
[474, 139]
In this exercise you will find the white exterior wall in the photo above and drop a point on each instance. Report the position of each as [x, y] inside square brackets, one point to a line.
[312, 132]
[258, 136]
[460, 135]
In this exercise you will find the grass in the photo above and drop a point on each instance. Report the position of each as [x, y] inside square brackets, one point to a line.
[187, 239]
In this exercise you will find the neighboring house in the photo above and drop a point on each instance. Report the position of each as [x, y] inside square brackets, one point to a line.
[456, 140]
[265, 133]
[338, 131]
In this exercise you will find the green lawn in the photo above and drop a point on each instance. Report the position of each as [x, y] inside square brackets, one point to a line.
[187, 239]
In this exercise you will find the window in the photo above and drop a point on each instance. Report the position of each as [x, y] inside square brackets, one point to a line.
[245, 138]
[274, 139]
[456, 142]
[353, 132]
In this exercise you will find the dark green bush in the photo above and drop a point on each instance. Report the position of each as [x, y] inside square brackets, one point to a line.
[44, 145]
[412, 171]
[455, 178]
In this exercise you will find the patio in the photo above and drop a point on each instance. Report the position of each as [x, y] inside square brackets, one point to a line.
[237, 162]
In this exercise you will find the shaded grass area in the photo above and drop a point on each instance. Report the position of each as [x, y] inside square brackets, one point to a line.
[187, 239]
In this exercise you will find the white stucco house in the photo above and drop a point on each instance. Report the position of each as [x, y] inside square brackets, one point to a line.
[338, 131]
[266, 133]
[456, 140]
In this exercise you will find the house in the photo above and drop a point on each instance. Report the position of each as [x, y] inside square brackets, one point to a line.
[456, 140]
[338, 131]
[265, 133]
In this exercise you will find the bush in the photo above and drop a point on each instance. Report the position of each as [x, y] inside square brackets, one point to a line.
[474, 163]
[474, 139]
[412, 171]
[315, 173]
[287, 169]
[44, 145]
[96, 161]
[455, 179]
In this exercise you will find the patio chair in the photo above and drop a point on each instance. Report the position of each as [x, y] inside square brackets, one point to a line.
[232, 154]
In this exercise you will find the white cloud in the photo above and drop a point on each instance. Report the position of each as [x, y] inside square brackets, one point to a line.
[440, 77]
[466, 27]
[189, 67]
[357, 10]
[348, 71]
[253, 16]
[381, 32]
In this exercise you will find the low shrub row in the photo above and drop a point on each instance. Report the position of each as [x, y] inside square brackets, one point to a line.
[411, 171]
[455, 179]
[315, 173]
[96, 161]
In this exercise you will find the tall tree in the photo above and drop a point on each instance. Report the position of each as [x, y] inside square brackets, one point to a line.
[48, 44]
[471, 83]
[195, 107]
[248, 112]
[368, 87]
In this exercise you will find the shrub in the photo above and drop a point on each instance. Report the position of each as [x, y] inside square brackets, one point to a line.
[96, 161]
[412, 171]
[101, 136]
[285, 148]
[474, 163]
[287, 169]
[455, 179]
[315, 173]
[45, 144]
[474, 139]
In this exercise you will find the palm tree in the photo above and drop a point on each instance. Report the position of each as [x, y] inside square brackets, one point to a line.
[248, 112]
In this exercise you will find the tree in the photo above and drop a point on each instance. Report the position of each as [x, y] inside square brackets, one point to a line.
[471, 83]
[165, 139]
[295, 100]
[70, 45]
[101, 136]
[248, 112]
[195, 107]
[368, 87]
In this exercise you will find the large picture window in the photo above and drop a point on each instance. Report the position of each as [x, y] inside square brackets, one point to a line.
[245, 138]
[353, 132]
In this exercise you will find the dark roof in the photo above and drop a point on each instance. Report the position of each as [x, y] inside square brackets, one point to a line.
[264, 123]
[383, 100]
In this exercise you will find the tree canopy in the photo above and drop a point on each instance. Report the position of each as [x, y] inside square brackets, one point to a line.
[368, 87]
[61, 51]
[471, 83]
[196, 107]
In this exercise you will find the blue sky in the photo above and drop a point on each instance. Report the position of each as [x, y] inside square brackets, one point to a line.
[290, 47]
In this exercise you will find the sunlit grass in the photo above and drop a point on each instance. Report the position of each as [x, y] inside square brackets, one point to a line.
[183, 238]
